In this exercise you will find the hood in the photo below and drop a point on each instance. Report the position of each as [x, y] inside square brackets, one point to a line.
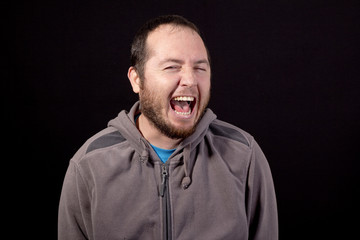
[125, 124]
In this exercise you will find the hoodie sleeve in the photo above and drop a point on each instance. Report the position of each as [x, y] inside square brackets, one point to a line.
[74, 207]
[261, 199]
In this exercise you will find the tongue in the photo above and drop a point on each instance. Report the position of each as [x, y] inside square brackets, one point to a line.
[180, 106]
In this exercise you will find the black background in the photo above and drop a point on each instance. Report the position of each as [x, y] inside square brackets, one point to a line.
[285, 71]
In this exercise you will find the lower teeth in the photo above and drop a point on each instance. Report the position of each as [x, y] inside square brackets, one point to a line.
[183, 113]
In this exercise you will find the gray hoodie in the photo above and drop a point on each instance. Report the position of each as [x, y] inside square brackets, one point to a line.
[216, 185]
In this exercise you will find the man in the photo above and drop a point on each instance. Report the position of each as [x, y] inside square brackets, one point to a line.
[168, 169]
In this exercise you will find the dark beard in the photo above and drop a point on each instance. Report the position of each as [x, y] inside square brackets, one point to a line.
[154, 115]
[152, 110]
[165, 128]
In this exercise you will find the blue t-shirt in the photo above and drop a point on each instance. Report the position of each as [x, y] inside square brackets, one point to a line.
[163, 154]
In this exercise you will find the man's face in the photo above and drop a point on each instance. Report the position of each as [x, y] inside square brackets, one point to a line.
[176, 88]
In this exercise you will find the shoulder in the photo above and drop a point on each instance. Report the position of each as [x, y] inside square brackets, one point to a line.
[230, 132]
[104, 139]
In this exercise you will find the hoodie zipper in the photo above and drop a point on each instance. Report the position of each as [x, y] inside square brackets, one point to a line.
[164, 193]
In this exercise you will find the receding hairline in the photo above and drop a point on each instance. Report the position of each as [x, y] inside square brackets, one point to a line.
[174, 27]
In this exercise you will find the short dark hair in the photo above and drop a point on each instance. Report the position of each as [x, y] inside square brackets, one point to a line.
[139, 53]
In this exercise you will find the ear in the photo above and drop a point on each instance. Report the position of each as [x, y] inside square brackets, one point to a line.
[134, 79]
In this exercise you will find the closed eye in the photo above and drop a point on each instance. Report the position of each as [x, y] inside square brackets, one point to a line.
[173, 67]
[200, 69]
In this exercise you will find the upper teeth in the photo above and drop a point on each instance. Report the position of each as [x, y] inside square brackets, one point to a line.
[184, 99]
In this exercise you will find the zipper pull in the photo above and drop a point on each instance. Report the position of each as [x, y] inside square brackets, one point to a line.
[164, 174]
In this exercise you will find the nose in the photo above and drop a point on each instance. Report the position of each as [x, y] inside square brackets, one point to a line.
[188, 78]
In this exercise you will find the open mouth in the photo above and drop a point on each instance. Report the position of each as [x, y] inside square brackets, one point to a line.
[183, 105]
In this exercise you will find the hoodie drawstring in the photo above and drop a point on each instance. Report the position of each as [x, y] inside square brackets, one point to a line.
[145, 152]
[188, 164]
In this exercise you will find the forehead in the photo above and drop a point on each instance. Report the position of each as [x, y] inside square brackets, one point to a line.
[172, 41]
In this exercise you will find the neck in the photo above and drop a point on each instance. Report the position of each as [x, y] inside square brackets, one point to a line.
[154, 136]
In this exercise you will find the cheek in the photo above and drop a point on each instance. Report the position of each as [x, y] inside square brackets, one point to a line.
[163, 81]
[204, 88]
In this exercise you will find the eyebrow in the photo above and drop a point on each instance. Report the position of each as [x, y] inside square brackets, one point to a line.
[202, 61]
[174, 60]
